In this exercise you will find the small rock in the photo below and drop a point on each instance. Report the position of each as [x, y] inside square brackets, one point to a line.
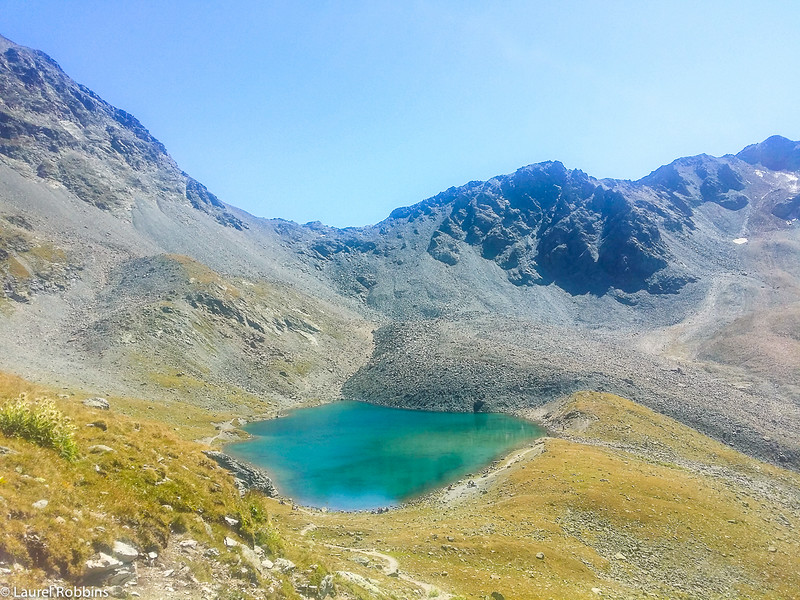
[122, 576]
[619, 556]
[100, 403]
[211, 552]
[99, 424]
[230, 542]
[40, 504]
[772, 549]
[100, 449]
[267, 563]
[326, 587]
[231, 521]
[284, 565]
[4, 450]
[124, 552]
[540, 555]
[60, 520]
[188, 544]
[597, 591]
[258, 550]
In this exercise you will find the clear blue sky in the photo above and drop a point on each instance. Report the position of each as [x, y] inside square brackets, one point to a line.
[342, 111]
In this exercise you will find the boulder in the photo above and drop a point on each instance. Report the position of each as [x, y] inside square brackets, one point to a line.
[103, 564]
[124, 552]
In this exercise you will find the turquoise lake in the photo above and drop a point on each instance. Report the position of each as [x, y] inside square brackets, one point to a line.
[355, 456]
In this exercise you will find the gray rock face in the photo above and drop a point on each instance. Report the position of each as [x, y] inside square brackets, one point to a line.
[80, 141]
[775, 153]
[545, 224]
[246, 477]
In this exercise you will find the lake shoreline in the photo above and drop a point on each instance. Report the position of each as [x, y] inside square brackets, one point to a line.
[405, 454]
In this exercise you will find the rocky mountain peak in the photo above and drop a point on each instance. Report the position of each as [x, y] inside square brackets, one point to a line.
[60, 131]
[775, 153]
[548, 224]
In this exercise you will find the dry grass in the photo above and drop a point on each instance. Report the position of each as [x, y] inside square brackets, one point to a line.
[684, 532]
[707, 523]
[153, 485]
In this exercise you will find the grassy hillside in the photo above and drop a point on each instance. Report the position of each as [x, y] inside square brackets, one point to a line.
[623, 501]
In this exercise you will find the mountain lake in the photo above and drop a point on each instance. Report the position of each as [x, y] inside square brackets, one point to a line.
[358, 456]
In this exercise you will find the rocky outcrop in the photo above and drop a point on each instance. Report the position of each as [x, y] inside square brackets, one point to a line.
[61, 132]
[776, 153]
[246, 477]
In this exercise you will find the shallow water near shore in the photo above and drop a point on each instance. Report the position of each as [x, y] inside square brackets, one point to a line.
[357, 456]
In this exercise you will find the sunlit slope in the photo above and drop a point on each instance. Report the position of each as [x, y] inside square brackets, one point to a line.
[169, 327]
[619, 499]
[627, 502]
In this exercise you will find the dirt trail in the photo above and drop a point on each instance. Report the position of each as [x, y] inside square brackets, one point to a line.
[390, 569]
[225, 430]
[466, 488]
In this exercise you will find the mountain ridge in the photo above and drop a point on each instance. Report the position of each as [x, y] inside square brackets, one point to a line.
[624, 278]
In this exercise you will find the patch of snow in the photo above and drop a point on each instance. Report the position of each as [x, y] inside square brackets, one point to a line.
[759, 173]
[790, 176]
[740, 241]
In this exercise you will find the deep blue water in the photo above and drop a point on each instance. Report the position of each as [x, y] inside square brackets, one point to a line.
[354, 455]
